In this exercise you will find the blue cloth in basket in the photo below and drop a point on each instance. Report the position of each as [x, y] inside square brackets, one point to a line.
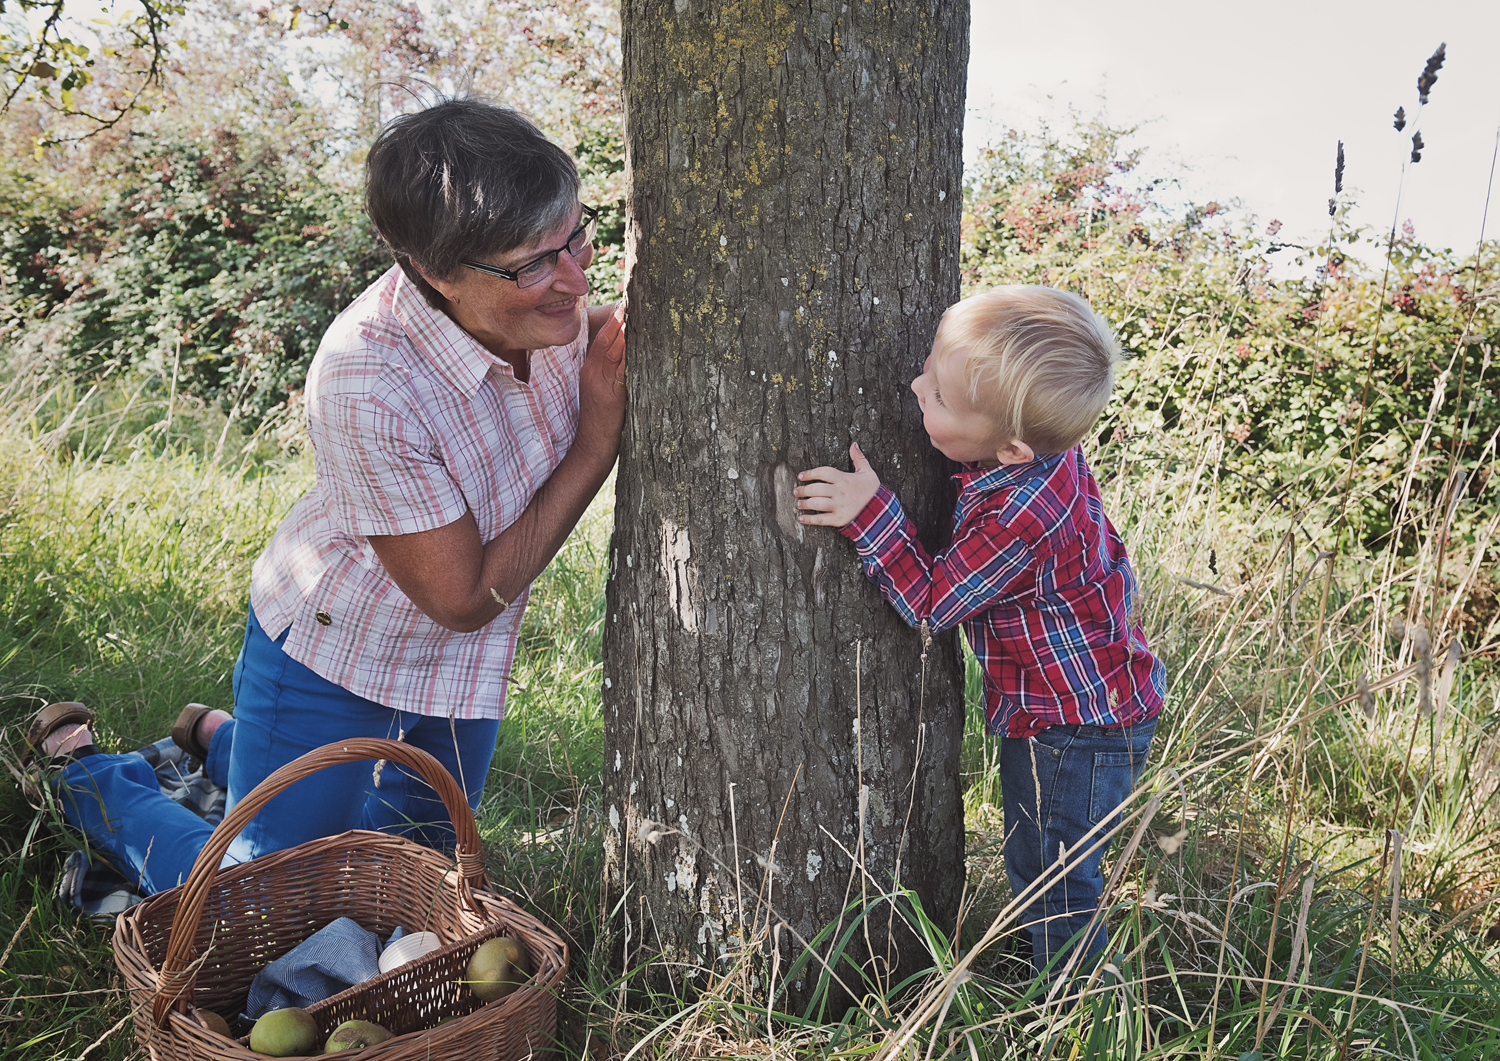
[337, 956]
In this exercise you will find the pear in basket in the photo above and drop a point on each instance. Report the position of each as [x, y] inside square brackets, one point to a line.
[355, 1035]
[498, 967]
[214, 1023]
[289, 1032]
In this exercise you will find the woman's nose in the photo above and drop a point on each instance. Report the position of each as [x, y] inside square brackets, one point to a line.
[569, 275]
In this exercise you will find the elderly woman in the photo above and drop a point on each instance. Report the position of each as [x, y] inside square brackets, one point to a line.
[463, 411]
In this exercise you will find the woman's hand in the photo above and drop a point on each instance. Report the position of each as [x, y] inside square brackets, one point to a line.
[607, 332]
[831, 498]
[601, 385]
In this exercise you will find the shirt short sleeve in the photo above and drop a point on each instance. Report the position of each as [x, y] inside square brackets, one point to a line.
[381, 470]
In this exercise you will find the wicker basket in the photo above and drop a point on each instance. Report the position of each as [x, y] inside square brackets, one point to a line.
[200, 944]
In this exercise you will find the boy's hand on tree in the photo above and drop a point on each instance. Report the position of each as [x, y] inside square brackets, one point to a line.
[828, 497]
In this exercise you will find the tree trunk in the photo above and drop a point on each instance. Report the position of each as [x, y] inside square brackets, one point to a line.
[795, 186]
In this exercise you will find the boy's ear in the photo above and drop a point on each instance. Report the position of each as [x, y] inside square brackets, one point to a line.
[1015, 452]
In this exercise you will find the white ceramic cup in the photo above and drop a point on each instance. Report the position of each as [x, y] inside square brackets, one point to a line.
[408, 949]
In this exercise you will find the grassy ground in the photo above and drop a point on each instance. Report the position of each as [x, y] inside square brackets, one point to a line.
[1307, 872]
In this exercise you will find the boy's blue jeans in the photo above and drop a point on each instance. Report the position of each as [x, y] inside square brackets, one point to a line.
[1057, 786]
[282, 710]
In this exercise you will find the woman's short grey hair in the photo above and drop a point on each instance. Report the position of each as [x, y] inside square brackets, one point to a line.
[465, 178]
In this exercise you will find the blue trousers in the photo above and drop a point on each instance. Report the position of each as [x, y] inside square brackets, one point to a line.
[1057, 786]
[282, 711]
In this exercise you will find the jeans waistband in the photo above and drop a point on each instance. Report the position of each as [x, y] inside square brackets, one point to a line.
[1101, 731]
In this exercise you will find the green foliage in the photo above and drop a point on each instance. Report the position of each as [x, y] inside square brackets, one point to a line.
[213, 264]
[207, 247]
[601, 166]
[1294, 380]
[137, 551]
[211, 261]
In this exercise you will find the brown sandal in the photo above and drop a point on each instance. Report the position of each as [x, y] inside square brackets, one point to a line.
[185, 730]
[50, 717]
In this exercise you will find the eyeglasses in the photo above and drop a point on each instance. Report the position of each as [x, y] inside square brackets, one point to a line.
[540, 269]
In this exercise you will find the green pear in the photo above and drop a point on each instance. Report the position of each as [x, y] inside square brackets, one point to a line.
[355, 1035]
[289, 1032]
[498, 967]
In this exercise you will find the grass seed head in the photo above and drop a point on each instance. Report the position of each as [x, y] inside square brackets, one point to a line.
[1338, 180]
[1421, 642]
[1428, 77]
[1400, 122]
[1366, 697]
[1416, 146]
[1488, 753]
[1173, 843]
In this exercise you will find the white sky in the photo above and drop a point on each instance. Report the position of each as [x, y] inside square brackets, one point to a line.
[1255, 97]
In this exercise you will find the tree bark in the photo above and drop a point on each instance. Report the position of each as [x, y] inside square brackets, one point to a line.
[771, 724]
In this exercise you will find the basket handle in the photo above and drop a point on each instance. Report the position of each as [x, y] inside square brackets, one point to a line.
[175, 981]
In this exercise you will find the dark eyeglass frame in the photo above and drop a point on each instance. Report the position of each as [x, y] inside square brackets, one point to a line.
[588, 225]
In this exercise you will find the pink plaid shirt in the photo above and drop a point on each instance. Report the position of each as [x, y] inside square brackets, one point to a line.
[413, 423]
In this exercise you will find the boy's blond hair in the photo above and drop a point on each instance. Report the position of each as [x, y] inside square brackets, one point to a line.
[1040, 362]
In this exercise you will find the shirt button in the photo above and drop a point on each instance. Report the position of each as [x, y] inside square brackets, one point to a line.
[324, 618]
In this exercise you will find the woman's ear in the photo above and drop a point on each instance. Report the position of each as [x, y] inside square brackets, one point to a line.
[447, 288]
[1015, 452]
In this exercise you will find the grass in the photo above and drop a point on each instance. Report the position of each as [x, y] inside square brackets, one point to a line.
[1253, 916]
[1306, 873]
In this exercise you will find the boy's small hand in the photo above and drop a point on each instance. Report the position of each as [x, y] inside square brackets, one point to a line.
[831, 498]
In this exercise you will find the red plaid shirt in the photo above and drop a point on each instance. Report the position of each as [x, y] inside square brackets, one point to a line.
[1040, 580]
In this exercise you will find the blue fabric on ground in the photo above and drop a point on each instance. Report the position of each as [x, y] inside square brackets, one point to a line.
[90, 884]
[92, 887]
[283, 710]
[337, 956]
[202, 791]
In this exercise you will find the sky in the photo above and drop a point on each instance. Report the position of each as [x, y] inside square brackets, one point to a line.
[1249, 101]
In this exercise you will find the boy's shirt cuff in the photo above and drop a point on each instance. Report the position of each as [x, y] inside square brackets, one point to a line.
[881, 517]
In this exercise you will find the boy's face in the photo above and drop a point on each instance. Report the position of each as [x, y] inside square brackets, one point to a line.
[958, 430]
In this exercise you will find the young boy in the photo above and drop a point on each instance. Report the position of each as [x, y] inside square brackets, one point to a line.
[1035, 572]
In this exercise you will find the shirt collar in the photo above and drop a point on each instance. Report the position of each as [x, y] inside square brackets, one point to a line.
[452, 352]
[978, 478]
